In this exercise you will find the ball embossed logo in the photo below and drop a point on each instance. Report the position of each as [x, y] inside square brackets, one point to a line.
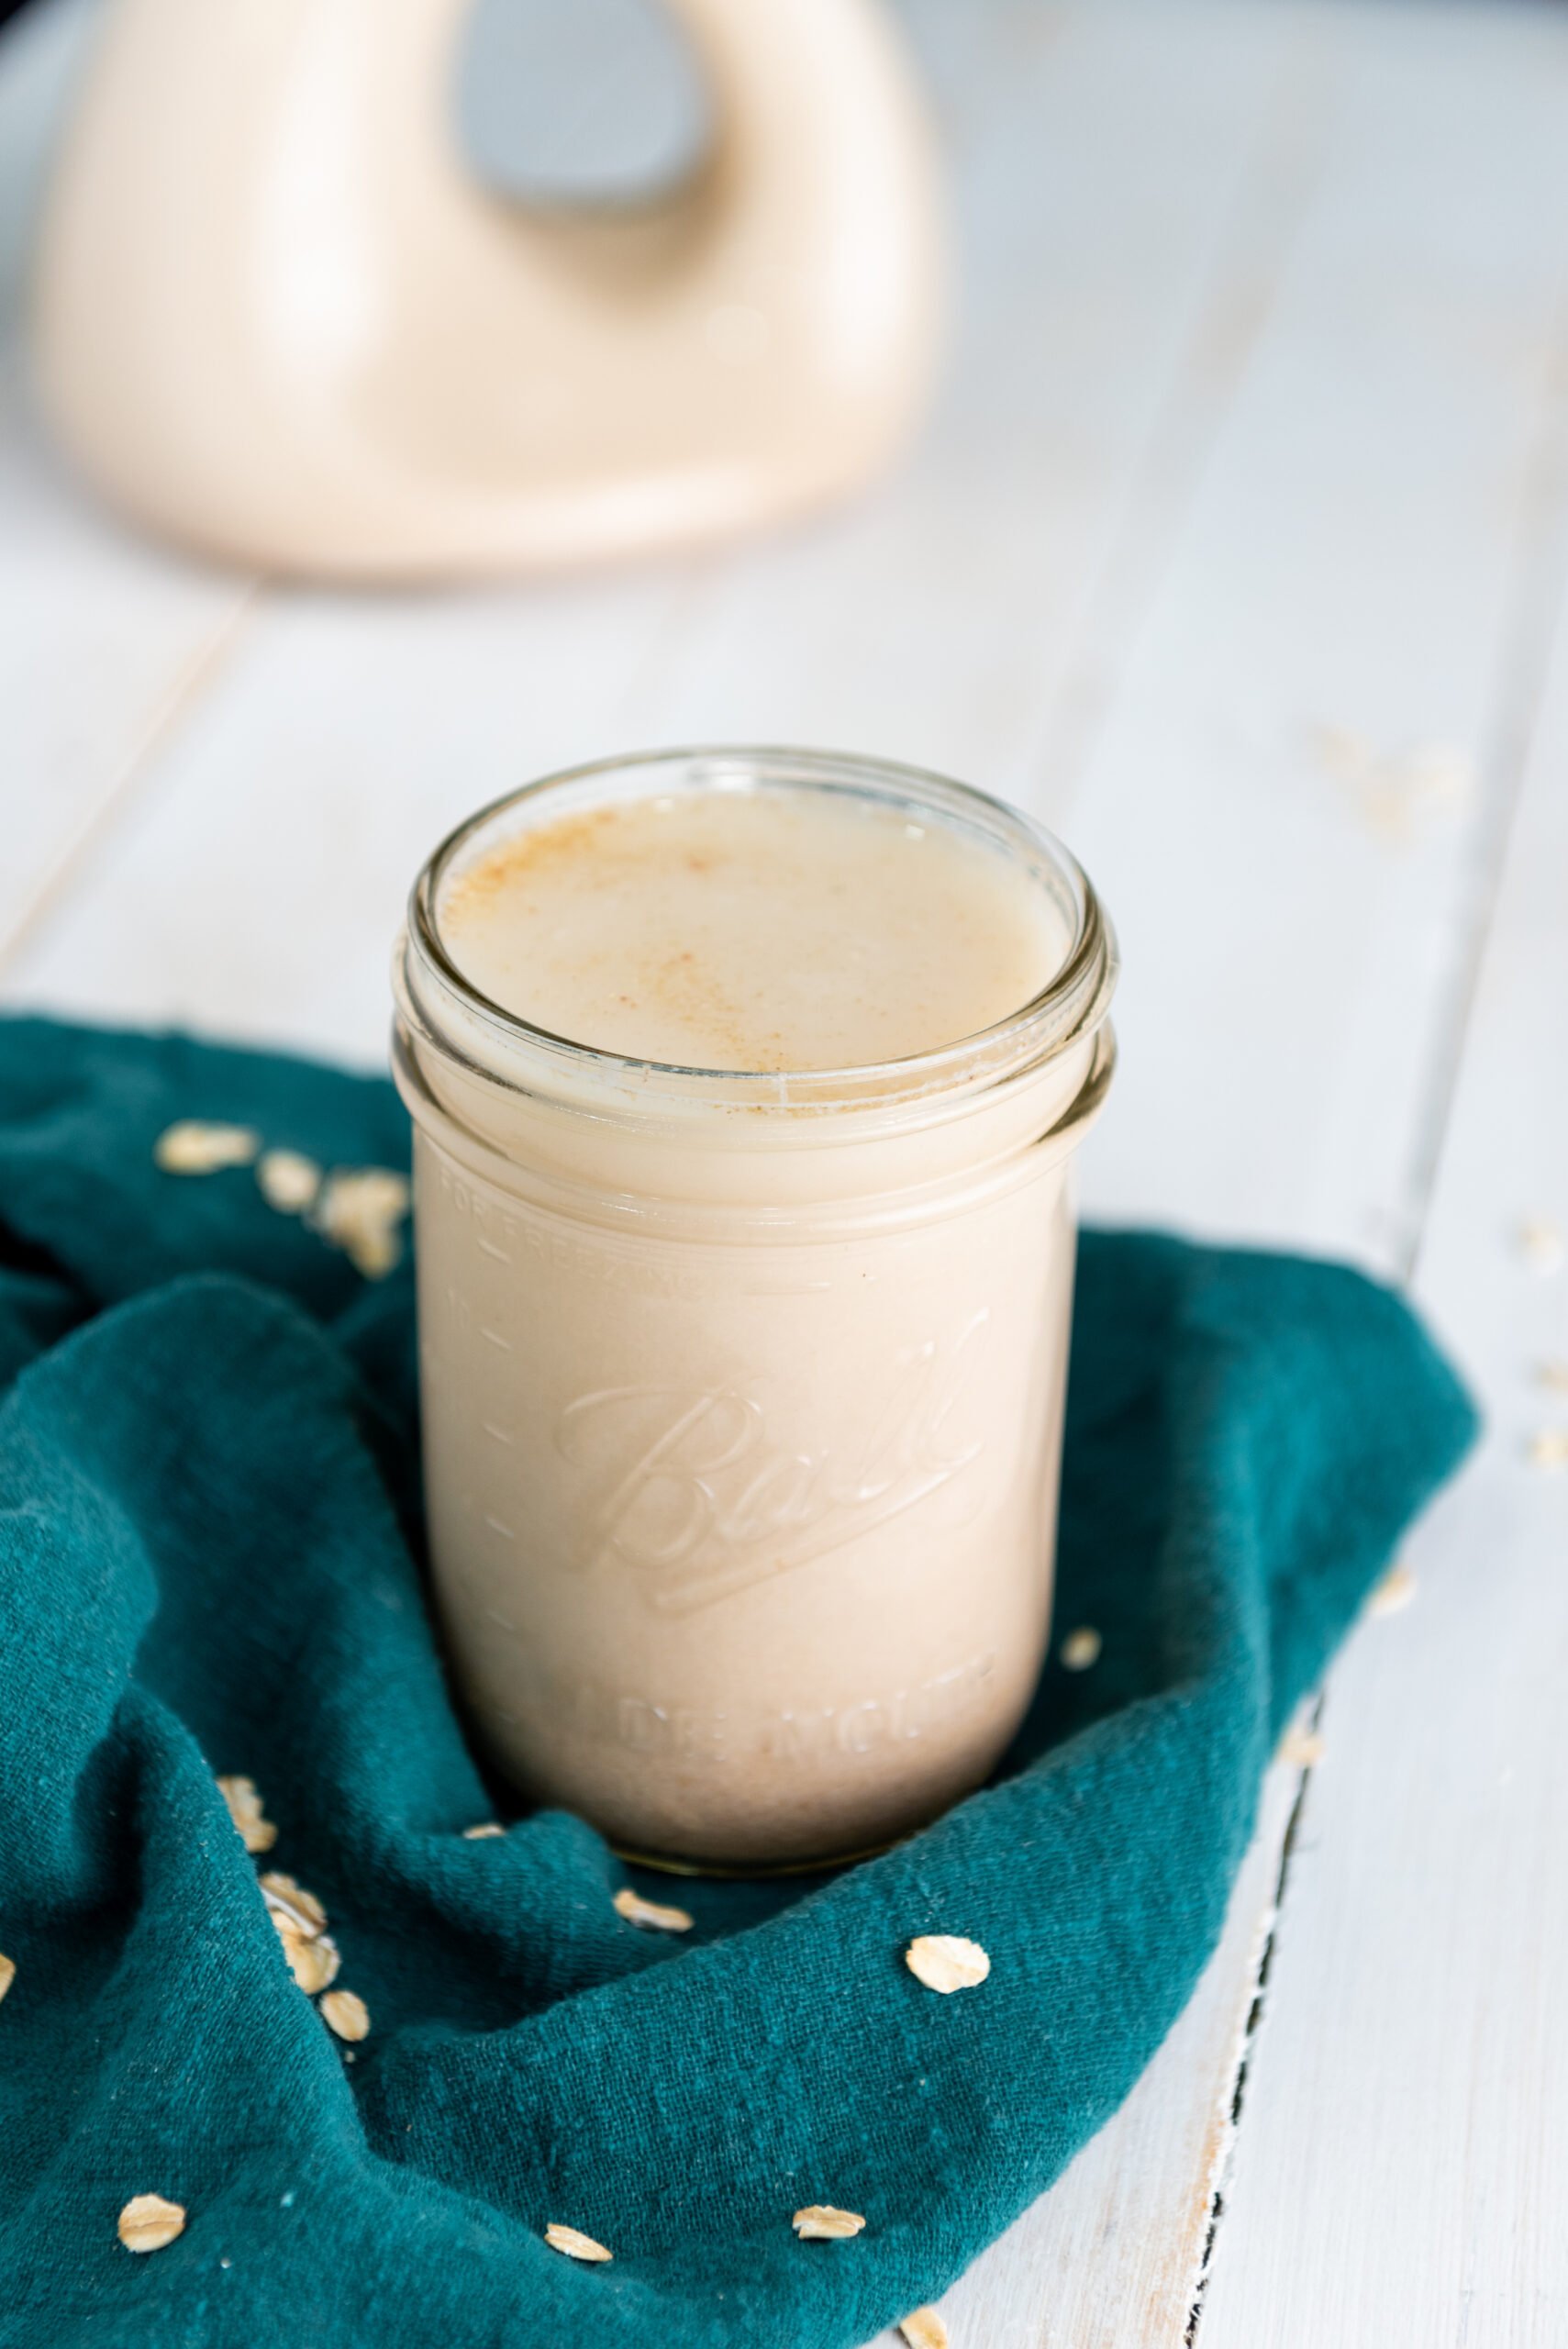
[703, 1497]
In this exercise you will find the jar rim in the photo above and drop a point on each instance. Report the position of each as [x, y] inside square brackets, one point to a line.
[1070, 1005]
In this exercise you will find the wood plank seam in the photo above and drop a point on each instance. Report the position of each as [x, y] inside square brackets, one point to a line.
[1246, 2039]
[188, 688]
[1530, 632]
[1272, 198]
[1532, 621]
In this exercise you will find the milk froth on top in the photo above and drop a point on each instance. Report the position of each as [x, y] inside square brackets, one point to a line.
[754, 929]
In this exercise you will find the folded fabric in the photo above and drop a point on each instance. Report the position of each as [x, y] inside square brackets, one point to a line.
[209, 1566]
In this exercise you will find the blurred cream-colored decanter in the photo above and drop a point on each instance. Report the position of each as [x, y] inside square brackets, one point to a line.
[277, 315]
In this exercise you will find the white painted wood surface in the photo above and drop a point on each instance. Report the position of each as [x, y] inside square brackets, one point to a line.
[1236, 549]
[1406, 2118]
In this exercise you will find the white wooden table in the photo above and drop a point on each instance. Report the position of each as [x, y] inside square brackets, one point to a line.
[1236, 549]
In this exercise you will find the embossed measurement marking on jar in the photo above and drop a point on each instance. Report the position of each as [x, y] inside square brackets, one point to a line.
[705, 1502]
[459, 1312]
[528, 1239]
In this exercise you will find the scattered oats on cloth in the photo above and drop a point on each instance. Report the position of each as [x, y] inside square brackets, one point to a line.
[820, 2222]
[189, 1147]
[315, 1964]
[946, 1962]
[229, 1425]
[345, 2012]
[923, 2328]
[7, 1974]
[1081, 1648]
[361, 1210]
[257, 1833]
[287, 1180]
[652, 1915]
[575, 2244]
[148, 2222]
[291, 1901]
[480, 1833]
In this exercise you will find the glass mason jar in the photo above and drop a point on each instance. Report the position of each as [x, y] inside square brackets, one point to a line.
[743, 1394]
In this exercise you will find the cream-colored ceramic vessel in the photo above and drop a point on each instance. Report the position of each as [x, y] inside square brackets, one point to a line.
[277, 317]
[743, 1396]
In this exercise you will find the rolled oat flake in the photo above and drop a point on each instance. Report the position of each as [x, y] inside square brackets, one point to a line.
[287, 1180]
[946, 1962]
[820, 2222]
[291, 1901]
[652, 1915]
[345, 2012]
[193, 1146]
[359, 1209]
[256, 1831]
[1081, 1649]
[574, 2245]
[314, 1964]
[923, 2328]
[148, 2222]
[1396, 1589]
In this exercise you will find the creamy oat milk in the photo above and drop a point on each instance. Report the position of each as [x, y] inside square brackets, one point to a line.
[746, 1085]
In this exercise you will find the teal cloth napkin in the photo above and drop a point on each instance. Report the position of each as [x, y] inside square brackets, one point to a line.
[209, 1564]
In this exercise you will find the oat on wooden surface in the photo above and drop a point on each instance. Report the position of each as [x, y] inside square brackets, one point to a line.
[1540, 1243]
[924, 2329]
[1396, 1591]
